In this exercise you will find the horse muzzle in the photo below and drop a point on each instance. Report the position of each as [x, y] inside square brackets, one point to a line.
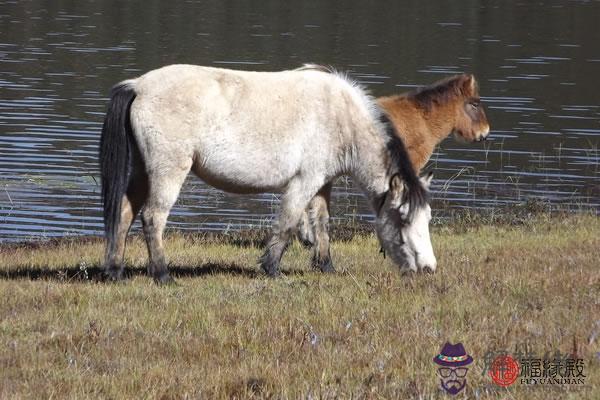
[483, 135]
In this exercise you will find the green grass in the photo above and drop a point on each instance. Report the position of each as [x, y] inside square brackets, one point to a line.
[226, 331]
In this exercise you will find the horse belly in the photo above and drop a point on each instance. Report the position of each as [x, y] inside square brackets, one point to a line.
[236, 174]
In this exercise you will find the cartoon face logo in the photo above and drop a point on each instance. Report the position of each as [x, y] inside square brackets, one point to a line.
[453, 371]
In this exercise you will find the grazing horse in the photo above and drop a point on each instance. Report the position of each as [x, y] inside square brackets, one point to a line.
[249, 132]
[422, 118]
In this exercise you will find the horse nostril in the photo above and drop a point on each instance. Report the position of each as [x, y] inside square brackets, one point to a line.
[428, 270]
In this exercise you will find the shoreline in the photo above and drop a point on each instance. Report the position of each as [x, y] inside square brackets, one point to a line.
[343, 230]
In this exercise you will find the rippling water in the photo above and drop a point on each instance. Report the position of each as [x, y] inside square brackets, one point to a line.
[537, 65]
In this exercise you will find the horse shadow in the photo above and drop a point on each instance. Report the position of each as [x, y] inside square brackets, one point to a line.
[95, 273]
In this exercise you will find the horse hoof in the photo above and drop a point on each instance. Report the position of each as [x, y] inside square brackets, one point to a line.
[270, 267]
[328, 269]
[306, 243]
[113, 274]
[165, 280]
[326, 266]
[274, 273]
[270, 270]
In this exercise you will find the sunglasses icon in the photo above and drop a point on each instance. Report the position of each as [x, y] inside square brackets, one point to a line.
[458, 372]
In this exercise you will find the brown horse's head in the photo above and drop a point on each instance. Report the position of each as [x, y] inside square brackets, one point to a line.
[470, 124]
[458, 97]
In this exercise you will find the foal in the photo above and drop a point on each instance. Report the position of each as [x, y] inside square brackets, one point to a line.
[422, 118]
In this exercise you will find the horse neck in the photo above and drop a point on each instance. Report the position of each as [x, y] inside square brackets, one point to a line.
[420, 129]
[371, 161]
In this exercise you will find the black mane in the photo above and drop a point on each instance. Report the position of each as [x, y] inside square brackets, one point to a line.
[415, 194]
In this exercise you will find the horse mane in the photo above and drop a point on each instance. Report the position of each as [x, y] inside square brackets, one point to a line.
[317, 67]
[444, 91]
[415, 194]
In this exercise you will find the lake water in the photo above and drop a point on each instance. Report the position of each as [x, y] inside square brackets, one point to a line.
[538, 64]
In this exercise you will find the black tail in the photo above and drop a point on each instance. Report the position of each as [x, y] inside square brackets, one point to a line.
[115, 156]
[416, 194]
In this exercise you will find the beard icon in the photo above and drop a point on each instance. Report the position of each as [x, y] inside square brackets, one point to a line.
[453, 386]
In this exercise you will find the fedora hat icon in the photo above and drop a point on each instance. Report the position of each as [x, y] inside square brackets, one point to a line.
[453, 355]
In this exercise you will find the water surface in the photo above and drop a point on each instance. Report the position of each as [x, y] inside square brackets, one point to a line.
[537, 64]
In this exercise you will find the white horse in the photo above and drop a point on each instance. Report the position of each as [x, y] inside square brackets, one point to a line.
[250, 132]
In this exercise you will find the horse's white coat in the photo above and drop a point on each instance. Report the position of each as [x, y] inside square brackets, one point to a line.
[252, 131]
[241, 131]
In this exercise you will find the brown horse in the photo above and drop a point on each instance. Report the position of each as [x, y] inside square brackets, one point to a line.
[422, 118]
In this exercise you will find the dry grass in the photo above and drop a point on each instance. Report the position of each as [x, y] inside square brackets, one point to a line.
[366, 332]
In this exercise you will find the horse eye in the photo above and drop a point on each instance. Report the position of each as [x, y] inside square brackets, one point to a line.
[474, 104]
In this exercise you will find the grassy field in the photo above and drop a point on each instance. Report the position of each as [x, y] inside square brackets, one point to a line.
[226, 331]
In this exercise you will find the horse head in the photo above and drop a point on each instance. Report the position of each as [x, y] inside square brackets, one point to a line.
[402, 227]
[471, 123]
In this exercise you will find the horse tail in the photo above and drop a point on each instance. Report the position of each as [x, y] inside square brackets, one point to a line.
[115, 155]
[415, 194]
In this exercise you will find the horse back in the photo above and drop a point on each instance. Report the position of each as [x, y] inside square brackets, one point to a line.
[262, 102]
[236, 125]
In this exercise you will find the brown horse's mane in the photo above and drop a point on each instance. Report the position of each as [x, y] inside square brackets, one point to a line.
[444, 91]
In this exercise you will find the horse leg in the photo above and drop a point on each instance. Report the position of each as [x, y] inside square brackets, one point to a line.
[131, 203]
[295, 200]
[319, 223]
[305, 229]
[164, 190]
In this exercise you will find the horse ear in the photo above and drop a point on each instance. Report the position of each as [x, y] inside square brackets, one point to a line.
[470, 85]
